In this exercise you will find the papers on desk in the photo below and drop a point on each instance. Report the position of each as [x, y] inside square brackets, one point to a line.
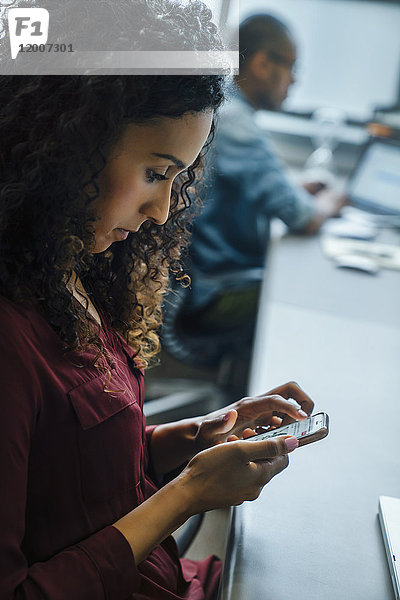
[383, 255]
[347, 228]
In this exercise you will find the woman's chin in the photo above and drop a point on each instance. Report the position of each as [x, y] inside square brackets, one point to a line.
[102, 246]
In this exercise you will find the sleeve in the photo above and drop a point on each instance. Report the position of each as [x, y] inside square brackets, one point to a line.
[149, 462]
[99, 567]
[149, 433]
[247, 157]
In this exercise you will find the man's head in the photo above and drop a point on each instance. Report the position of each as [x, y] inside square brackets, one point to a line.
[267, 59]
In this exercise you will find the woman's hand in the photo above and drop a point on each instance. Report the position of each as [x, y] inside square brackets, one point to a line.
[250, 415]
[229, 474]
[218, 477]
[174, 443]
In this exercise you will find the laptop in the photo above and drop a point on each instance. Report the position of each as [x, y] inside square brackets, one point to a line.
[389, 519]
[375, 183]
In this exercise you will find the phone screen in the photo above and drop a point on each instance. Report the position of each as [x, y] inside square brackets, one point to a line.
[298, 429]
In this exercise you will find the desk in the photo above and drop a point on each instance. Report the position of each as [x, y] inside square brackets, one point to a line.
[313, 534]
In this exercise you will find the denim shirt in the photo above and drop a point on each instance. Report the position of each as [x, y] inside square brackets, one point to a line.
[246, 186]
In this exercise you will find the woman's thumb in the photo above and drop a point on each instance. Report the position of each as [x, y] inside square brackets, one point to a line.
[221, 424]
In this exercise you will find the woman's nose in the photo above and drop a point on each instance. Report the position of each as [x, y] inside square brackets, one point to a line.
[157, 208]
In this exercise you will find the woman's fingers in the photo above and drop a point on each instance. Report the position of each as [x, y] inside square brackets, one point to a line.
[228, 474]
[280, 406]
[269, 469]
[277, 405]
[218, 424]
[267, 449]
[287, 401]
[246, 433]
[293, 390]
[276, 422]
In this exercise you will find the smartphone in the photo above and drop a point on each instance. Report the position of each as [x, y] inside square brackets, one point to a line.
[310, 430]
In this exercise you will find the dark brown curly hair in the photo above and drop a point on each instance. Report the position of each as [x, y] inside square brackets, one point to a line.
[55, 136]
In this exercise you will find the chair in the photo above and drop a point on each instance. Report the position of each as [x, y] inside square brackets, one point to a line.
[219, 334]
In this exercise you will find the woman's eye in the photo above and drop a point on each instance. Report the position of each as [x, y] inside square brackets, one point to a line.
[152, 176]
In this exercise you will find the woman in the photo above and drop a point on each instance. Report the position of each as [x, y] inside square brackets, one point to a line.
[94, 190]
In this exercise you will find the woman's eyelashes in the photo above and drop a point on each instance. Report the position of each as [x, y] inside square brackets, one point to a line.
[152, 176]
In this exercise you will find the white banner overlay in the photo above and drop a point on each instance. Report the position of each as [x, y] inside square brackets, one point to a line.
[124, 59]
[104, 37]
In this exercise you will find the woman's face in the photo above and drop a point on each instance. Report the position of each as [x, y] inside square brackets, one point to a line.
[136, 183]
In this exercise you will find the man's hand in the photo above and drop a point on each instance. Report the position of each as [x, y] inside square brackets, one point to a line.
[314, 187]
[329, 204]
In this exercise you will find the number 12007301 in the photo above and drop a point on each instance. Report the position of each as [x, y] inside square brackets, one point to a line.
[46, 48]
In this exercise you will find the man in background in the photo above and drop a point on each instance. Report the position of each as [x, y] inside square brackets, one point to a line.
[246, 186]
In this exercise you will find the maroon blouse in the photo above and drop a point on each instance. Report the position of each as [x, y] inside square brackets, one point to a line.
[73, 460]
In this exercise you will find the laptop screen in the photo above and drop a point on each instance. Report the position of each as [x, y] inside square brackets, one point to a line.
[389, 518]
[375, 184]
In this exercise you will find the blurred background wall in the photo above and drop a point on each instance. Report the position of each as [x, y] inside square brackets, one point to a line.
[349, 52]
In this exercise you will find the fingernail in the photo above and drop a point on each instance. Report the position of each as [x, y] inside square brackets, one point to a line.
[226, 417]
[302, 413]
[291, 443]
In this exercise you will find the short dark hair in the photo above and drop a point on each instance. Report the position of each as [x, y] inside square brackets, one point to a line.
[261, 31]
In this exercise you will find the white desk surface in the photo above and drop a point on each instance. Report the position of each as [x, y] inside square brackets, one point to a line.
[313, 534]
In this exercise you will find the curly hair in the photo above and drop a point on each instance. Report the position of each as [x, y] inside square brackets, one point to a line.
[134, 25]
[56, 133]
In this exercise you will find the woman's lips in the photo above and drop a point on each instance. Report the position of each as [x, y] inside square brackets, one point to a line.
[122, 233]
